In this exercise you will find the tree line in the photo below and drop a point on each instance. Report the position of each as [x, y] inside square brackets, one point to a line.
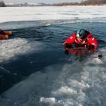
[2, 4]
[93, 2]
[83, 2]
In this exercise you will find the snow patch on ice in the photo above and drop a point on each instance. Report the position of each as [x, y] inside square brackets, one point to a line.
[12, 48]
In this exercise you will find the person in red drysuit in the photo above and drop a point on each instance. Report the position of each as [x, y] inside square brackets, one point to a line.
[5, 34]
[81, 39]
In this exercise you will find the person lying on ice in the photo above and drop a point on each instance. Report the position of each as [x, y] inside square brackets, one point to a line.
[81, 39]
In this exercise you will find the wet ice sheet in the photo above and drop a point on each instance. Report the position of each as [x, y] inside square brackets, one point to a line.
[77, 84]
[12, 48]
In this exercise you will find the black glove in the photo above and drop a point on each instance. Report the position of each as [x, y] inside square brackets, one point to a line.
[100, 56]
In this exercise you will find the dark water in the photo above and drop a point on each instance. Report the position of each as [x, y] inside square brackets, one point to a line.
[52, 38]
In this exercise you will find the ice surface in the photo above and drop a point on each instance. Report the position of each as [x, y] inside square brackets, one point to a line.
[52, 13]
[12, 48]
[74, 84]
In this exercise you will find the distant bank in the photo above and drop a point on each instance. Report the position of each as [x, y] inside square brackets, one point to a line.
[83, 3]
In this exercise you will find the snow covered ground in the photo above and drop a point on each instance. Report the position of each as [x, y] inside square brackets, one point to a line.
[51, 13]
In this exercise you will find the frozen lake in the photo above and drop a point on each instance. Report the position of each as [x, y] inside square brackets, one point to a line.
[34, 71]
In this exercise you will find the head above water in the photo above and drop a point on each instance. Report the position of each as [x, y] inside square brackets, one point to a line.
[82, 33]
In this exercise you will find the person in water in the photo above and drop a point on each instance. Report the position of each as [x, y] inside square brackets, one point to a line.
[81, 39]
[5, 34]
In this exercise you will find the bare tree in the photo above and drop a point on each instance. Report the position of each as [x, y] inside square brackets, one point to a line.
[2, 4]
[93, 2]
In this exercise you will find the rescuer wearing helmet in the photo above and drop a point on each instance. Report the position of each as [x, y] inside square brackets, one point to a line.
[81, 38]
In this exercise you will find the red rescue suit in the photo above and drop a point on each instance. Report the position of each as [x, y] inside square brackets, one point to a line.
[5, 35]
[89, 41]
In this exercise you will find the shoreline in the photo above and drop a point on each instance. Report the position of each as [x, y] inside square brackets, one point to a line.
[58, 5]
